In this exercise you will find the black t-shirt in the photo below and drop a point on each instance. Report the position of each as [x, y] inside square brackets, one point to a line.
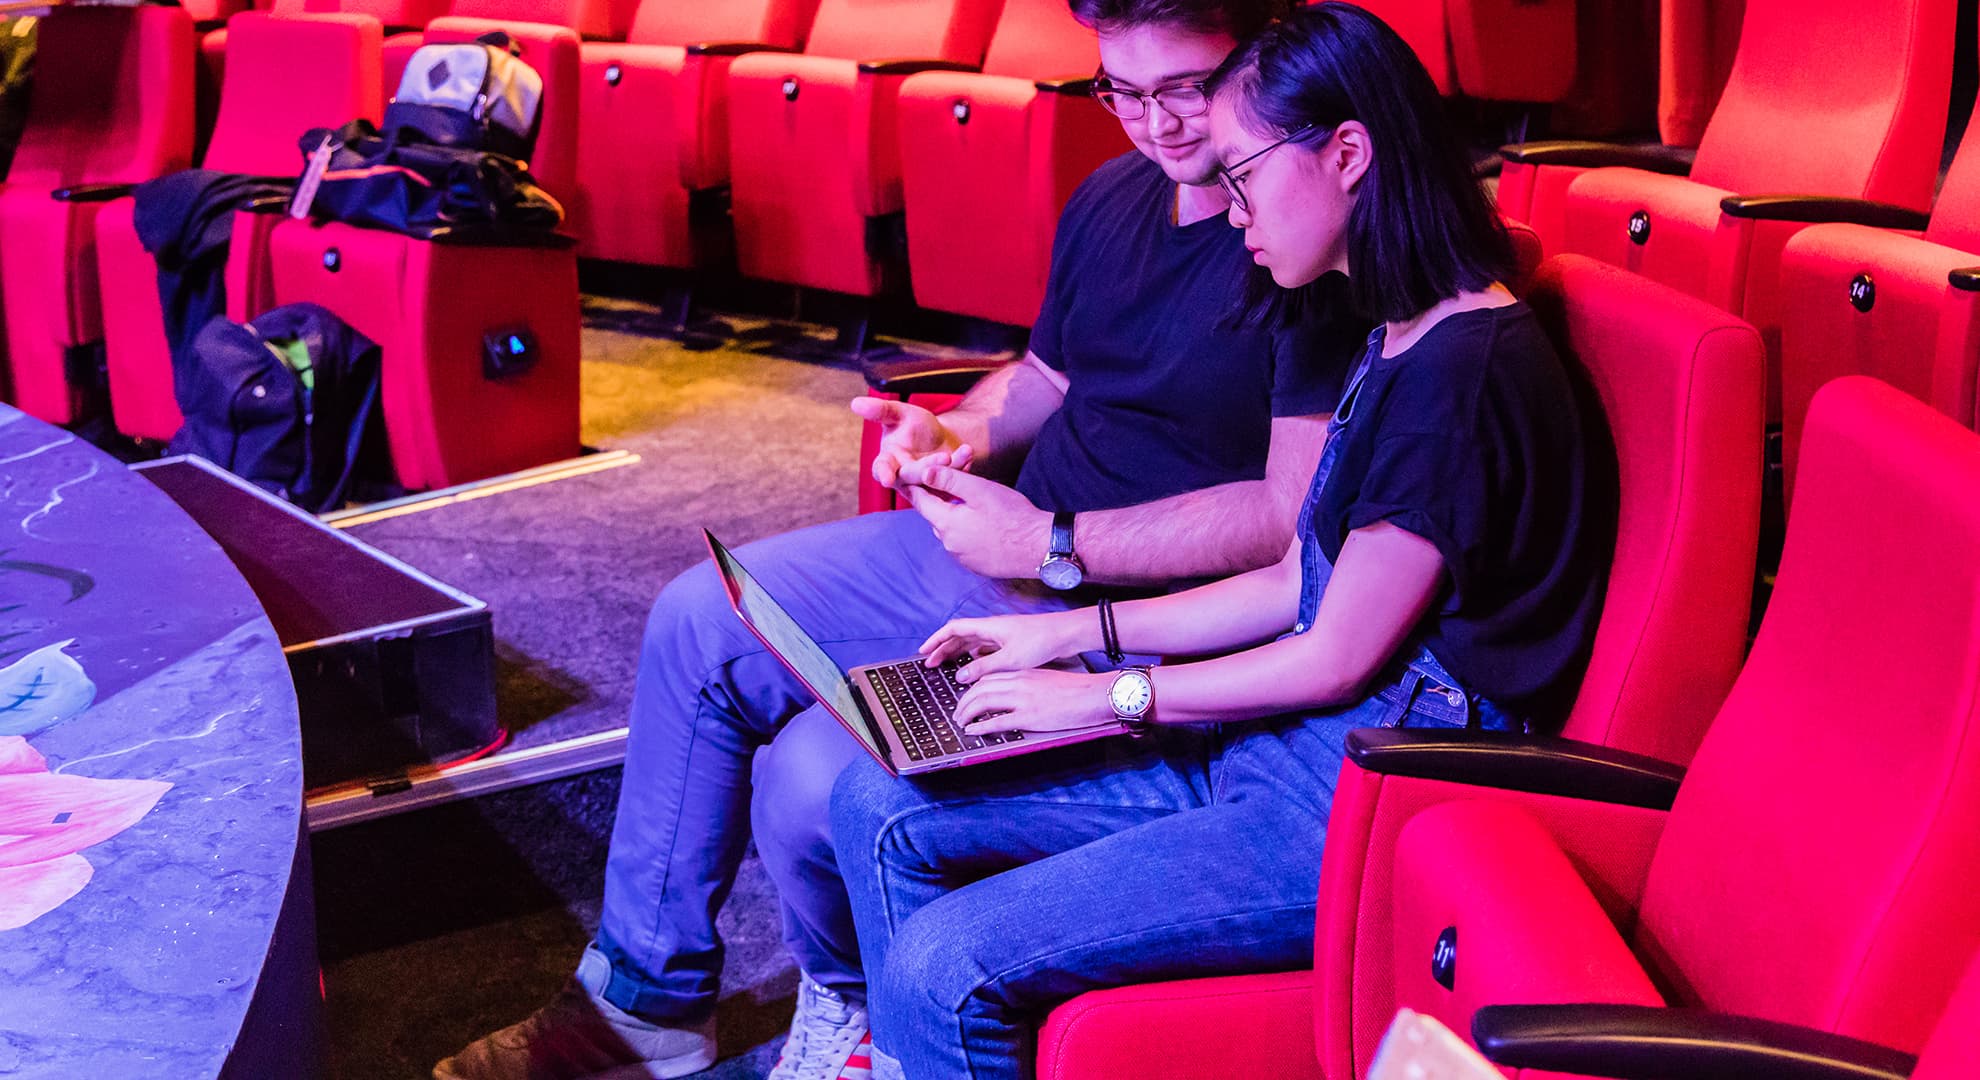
[1474, 439]
[1172, 390]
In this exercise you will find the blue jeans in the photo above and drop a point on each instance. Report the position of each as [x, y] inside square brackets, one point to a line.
[715, 717]
[986, 898]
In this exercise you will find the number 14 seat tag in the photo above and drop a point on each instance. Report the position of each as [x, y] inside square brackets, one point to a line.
[312, 178]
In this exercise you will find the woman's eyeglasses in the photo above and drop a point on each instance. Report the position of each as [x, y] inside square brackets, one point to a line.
[1183, 99]
[1232, 180]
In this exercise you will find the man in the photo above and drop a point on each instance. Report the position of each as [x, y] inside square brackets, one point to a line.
[1156, 435]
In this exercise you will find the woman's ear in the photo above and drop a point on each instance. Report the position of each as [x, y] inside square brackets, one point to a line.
[1349, 156]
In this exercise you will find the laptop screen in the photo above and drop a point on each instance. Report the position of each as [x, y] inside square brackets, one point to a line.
[819, 671]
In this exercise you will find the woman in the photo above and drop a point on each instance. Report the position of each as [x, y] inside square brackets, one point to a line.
[1446, 572]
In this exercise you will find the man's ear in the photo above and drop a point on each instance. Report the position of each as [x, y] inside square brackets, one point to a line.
[1350, 155]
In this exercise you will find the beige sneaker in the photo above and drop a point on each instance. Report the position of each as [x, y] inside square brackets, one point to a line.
[582, 1037]
[828, 1040]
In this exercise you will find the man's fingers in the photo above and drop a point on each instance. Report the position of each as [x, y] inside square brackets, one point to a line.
[954, 482]
[888, 414]
[886, 468]
[962, 456]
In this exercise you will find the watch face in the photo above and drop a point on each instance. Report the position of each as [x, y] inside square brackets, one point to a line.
[1061, 573]
[1131, 693]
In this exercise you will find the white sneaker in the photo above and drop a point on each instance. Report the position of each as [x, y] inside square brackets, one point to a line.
[828, 1039]
[582, 1037]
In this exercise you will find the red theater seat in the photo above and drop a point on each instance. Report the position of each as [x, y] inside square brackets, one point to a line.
[432, 306]
[1871, 77]
[589, 19]
[1815, 866]
[814, 155]
[655, 116]
[1495, 50]
[1857, 300]
[1679, 384]
[112, 105]
[286, 76]
[996, 155]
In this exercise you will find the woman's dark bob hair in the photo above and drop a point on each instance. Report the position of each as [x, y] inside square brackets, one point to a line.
[1421, 229]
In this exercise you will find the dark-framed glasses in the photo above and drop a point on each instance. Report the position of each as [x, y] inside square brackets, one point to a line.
[1232, 181]
[1182, 99]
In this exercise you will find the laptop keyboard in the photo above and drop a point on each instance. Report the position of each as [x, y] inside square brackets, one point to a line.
[918, 702]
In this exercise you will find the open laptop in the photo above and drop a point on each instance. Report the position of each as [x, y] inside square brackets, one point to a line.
[900, 709]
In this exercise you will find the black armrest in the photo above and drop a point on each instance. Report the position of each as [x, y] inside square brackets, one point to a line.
[1965, 279]
[929, 376]
[485, 235]
[1669, 160]
[1645, 1041]
[92, 192]
[736, 48]
[1079, 87]
[1537, 763]
[1823, 208]
[910, 67]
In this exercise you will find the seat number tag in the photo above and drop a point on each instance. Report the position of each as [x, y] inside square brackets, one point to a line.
[312, 178]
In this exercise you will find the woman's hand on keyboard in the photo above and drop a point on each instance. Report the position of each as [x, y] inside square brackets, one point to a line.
[1012, 642]
[1035, 701]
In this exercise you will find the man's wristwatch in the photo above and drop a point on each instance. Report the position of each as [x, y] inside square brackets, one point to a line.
[1133, 699]
[1061, 569]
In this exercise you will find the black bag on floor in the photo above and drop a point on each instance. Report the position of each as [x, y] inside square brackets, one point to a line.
[288, 402]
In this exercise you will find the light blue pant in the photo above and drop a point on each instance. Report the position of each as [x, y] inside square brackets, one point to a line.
[987, 897]
[715, 717]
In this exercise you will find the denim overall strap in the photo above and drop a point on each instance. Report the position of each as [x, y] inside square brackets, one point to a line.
[1314, 567]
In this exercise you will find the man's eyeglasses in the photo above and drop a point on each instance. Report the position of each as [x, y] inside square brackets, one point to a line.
[1183, 99]
[1232, 180]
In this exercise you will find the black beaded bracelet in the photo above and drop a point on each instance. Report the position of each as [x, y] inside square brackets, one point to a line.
[1110, 638]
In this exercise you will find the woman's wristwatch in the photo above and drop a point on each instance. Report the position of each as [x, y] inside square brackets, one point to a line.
[1133, 698]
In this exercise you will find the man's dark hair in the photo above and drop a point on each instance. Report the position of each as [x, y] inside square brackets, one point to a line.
[1422, 229]
[1238, 18]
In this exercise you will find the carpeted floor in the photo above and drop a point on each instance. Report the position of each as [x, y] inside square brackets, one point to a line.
[440, 925]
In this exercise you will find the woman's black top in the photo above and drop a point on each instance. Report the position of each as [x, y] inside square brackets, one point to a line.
[1474, 439]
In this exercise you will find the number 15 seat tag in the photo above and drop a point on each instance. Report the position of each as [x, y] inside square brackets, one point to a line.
[312, 178]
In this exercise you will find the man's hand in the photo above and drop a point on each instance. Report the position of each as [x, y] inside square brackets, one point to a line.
[988, 527]
[908, 433]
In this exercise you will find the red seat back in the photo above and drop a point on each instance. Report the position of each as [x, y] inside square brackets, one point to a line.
[1834, 97]
[393, 13]
[590, 18]
[1039, 39]
[1679, 385]
[1955, 1044]
[1844, 769]
[112, 100]
[286, 75]
[955, 30]
[1697, 40]
[1956, 211]
[772, 22]
[553, 52]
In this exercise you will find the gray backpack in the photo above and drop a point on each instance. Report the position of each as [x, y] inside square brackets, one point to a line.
[477, 96]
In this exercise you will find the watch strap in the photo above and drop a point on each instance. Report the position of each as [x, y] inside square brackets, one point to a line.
[1062, 533]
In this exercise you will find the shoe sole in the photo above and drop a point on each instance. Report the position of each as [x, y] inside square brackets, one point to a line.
[667, 1069]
